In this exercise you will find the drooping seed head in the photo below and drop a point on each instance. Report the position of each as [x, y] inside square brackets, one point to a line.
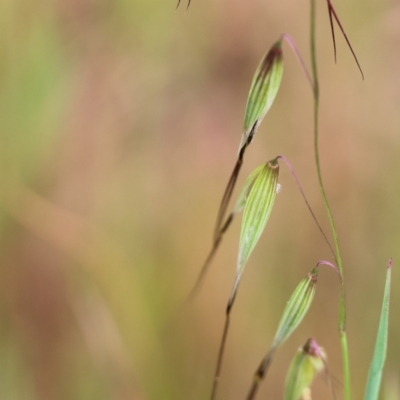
[263, 90]
[258, 196]
[308, 361]
[297, 307]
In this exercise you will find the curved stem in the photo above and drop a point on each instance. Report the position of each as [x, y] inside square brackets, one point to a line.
[342, 306]
[296, 179]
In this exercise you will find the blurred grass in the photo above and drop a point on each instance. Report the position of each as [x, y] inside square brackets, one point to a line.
[119, 126]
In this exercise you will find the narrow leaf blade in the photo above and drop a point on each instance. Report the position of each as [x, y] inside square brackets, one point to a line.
[379, 357]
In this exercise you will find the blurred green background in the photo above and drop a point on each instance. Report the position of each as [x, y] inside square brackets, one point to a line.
[120, 122]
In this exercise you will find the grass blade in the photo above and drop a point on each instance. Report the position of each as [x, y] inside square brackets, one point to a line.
[378, 360]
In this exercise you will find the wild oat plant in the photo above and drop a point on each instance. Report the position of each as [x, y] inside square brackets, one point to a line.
[256, 201]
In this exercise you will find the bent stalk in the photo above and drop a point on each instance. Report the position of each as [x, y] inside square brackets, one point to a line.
[342, 306]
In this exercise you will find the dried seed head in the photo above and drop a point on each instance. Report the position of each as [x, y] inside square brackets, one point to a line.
[264, 88]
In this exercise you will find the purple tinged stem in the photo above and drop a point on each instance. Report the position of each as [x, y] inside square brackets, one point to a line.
[332, 11]
[291, 169]
[332, 28]
[289, 40]
[179, 2]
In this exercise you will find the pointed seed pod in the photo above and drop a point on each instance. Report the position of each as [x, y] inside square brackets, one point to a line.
[258, 207]
[308, 361]
[296, 308]
[263, 90]
[294, 312]
[242, 198]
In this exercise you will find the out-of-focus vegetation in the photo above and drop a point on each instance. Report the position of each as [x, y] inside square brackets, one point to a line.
[119, 126]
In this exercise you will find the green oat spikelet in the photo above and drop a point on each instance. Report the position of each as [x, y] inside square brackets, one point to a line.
[262, 186]
[294, 313]
[244, 194]
[306, 364]
[296, 308]
[264, 88]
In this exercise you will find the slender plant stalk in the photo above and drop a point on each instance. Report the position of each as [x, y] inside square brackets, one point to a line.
[220, 228]
[222, 345]
[210, 257]
[296, 179]
[228, 192]
[260, 373]
[342, 306]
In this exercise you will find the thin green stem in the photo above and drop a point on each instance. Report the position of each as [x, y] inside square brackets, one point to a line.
[342, 306]
[346, 364]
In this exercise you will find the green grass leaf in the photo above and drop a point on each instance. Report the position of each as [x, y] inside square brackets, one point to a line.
[378, 360]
